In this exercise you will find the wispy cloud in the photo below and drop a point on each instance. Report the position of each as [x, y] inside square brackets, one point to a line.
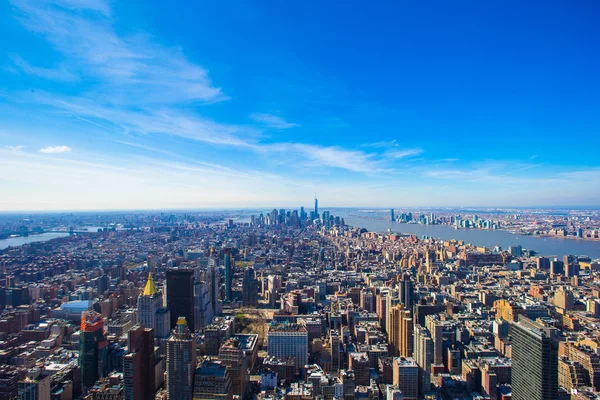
[14, 149]
[403, 153]
[55, 149]
[272, 121]
[136, 87]
[330, 156]
[58, 74]
[381, 144]
[130, 68]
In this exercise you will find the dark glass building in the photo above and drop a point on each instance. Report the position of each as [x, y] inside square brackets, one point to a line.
[407, 293]
[180, 295]
[249, 288]
[91, 341]
[535, 360]
[228, 275]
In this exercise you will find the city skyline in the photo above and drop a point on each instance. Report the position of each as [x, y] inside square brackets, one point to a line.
[115, 105]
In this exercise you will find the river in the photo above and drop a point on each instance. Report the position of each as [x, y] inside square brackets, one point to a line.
[21, 240]
[546, 246]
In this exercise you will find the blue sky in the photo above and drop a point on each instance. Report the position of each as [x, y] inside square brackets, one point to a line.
[129, 104]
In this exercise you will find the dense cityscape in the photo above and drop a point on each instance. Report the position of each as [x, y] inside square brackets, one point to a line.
[299, 200]
[287, 304]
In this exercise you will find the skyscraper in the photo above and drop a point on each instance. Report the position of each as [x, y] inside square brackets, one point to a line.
[91, 341]
[407, 294]
[400, 335]
[151, 311]
[249, 288]
[316, 207]
[203, 309]
[138, 365]
[392, 218]
[228, 275]
[212, 279]
[534, 361]
[181, 362]
[423, 354]
[180, 295]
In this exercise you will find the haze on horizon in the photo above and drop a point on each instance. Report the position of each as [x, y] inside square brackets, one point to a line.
[113, 105]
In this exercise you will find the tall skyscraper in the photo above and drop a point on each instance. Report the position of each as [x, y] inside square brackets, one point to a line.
[139, 364]
[91, 341]
[152, 312]
[203, 309]
[233, 357]
[316, 207]
[212, 278]
[181, 362]
[435, 329]
[423, 354]
[400, 335]
[392, 217]
[534, 361]
[407, 292]
[180, 295]
[249, 288]
[228, 275]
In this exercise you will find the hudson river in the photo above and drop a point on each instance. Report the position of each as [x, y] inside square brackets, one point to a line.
[546, 246]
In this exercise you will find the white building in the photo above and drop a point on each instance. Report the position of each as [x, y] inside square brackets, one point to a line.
[287, 340]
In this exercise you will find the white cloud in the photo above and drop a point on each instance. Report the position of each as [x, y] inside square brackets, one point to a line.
[55, 149]
[14, 149]
[329, 156]
[130, 68]
[59, 74]
[272, 121]
[403, 153]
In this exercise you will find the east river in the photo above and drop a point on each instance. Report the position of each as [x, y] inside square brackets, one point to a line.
[21, 240]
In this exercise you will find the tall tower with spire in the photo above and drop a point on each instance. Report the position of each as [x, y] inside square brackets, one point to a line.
[151, 310]
[316, 207]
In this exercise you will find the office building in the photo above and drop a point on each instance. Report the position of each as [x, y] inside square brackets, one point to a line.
[359, 363]
[139, 364]
[400, 336]
[534, 361]
[227, 264]
[180, 295]
[232, 356]
[423, 354]
[288, 340]
[152, 312]
[35, 385]
[212, 279]
[563, 298]
[406, 292]
[249, 288]
[203, 309]
[91, 343]
[181, 362]
[406, 377]
[212, 381]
